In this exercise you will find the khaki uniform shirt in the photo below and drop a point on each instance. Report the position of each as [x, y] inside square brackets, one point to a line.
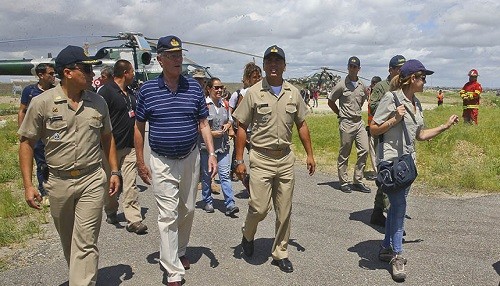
[72, 137]
[351, 98]
[271, 117]
[394, 143]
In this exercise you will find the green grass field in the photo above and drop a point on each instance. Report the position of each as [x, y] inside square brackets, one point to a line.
[466, 158]
[18, 222]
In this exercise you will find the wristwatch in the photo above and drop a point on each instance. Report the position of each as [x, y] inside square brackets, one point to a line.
[212, 154]
[238, 162]
[117, 173]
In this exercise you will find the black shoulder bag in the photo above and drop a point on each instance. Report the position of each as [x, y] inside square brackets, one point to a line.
[399, 174]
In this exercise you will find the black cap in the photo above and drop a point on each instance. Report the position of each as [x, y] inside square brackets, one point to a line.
[413, 66]
[74, 55]
[397, 61]
[169, 44]
[354, 61]
[274, 50]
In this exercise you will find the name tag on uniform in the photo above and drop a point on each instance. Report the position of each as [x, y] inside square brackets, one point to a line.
[55, 118]
[131, 114]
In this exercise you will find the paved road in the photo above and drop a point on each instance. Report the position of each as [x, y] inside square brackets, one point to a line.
[450, 242]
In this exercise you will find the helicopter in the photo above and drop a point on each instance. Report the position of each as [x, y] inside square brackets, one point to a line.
[136, 48]
[323, 80]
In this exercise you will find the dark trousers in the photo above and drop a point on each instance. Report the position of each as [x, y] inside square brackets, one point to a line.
[39, 154]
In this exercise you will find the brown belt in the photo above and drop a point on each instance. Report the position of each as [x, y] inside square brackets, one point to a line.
[276, 154]
[75, 172]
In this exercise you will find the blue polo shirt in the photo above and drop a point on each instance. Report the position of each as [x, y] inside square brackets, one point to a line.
[173, 117]
[29, 92]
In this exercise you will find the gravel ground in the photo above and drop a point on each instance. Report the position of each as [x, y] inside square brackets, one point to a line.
[451, 241]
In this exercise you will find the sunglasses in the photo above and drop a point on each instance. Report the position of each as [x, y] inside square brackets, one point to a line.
[353, 66]
[84, 68]
[172, 56]
[217, 87]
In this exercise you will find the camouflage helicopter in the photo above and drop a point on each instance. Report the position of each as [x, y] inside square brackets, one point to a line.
[139, 50]
[323, 80]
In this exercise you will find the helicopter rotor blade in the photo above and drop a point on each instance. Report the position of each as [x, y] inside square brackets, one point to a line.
[102, 42]
[222, 49]
[150, 40]
[43, 38]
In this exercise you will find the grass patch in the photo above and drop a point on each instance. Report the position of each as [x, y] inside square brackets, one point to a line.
[462, 159]
[18, 221]
[8, 109]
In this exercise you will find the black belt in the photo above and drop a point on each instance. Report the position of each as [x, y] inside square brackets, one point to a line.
[75, 172]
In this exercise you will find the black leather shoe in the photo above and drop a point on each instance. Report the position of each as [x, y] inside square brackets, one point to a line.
[284, 264]
[247, 246]
[346, 189]
[360, 187]
[232, 211]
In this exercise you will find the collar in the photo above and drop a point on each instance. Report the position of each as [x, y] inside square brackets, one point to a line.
[209, 100]
[348, 80]
[59, 96]
[183, 82]
[267, 87]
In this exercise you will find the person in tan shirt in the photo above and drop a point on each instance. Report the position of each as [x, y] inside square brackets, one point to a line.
[73, 123]
[272, 106]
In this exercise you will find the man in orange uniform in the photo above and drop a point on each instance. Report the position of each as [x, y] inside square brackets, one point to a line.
[470, 94]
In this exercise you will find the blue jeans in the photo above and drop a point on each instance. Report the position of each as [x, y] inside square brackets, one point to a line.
[39, 154]
[394, 225]
[223, 168]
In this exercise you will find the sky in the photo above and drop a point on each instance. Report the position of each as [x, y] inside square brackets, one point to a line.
[448, 37]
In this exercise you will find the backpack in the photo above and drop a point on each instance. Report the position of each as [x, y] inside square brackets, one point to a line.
[376, 95]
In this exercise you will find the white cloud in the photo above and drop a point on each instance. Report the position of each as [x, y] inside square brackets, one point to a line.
[448, 36]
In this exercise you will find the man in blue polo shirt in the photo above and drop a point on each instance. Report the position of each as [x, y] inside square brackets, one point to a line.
[176, 110]
[46, 79]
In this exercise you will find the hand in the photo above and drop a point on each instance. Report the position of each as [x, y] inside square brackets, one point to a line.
[114, 185]
[225, 127]
[452, 121]
[241, 171]
[311, 165]
[212, 165]
[144, 173]
[400, 112]
[32, 197]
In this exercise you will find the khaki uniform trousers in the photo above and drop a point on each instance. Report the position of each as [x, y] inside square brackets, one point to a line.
[174, 186]
[130, 193]
[76, 208]
[274, 179]
[351, 131]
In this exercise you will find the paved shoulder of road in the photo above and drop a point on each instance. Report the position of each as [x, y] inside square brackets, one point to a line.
[450, 241]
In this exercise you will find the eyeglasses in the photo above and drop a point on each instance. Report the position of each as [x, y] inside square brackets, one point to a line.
[84, 68]
[217, 87]
[422, 78]
[172, 56]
